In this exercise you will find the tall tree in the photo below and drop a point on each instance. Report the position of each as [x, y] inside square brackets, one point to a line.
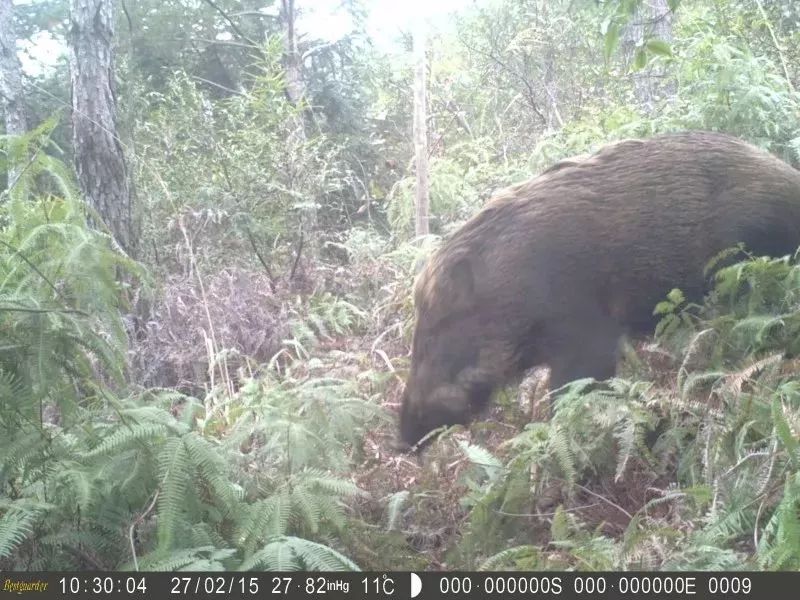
[10, 79]
[422, 199]
[99, 157]
[292, 60]
[296, 91]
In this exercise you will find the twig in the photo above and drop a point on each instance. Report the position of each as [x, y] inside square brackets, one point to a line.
[138, 520]
[204, 298]
[273, 362]
[230, 22]
[606, 500]
[755, 527]
[773, 457]
[127, 16]
[220, 86]
[554, 105]
[63, 311]
[155, 252]
[223, 43]
[759, 454]
[397, 325]
[34, 267]
[31, 160]
[550, 514]
[297, 256]
[272, 285]
[311, 51]
[385, 358]
[530, 96]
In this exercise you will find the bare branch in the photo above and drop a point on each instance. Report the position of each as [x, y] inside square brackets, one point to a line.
[218, 85]
[261, 259]
[297, 256]
[224, 43]
[230, 22]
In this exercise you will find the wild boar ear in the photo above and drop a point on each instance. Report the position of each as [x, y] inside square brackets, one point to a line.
[462, 277]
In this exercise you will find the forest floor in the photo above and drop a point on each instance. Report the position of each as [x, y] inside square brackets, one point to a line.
[433, 484]
[439, 477]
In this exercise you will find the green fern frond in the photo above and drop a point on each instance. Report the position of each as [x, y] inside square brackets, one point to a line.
[77, 482]
[626, 434]
[211, 467]
[305, 506]
[701, 557]
[561, 447]
[28, 447]
[510, 555]
[126, 436]
[331, 512]
[784, 432]
[779, 546]
[265, 519]
[276, 555]
[288, 553]
[393, 508]
[560, 526]
[201, 558]
[17, 524]
[732, 522]
[477, 455]
[254, 526]
[217, 560]
[328, 483]
[318, 557]
[701, 380]
[174, 473]
[282, 513]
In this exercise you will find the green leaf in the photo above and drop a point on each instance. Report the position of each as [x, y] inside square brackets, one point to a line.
[676, 296]
[630, 6]
[16, 526]
[611, 41]
[396, 502]
[639, 59]
[783, 430]
[481, 457]
[663, 308]
[659, 47]
[559, 529]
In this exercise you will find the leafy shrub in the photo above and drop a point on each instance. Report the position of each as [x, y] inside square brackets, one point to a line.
[94, 476]
[704, 475]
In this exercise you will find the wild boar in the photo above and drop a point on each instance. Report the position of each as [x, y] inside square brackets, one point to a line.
[553, 271]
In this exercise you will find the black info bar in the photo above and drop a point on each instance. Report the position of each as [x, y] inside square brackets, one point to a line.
[405, 585]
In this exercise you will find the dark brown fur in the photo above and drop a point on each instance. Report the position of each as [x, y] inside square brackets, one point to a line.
[554, 270]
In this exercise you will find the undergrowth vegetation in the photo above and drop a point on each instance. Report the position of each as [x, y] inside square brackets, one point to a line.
[229, 400]
[154, 479]
[702, 474]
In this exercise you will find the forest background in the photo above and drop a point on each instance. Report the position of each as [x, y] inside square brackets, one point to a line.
[209, 231]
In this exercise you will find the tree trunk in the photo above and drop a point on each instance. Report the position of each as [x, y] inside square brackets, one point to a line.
[422, 200]
[11, 81]
[99, 158]
[653, 20]
[295, 88]
[295, 92]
